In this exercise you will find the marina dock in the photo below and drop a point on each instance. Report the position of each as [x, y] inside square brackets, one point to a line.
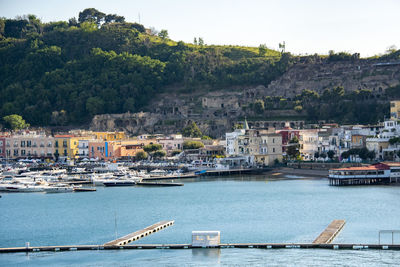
[333, 229]
[158, 184]
[189, 246]
[235, 172]
[171, 177]
[139, 234]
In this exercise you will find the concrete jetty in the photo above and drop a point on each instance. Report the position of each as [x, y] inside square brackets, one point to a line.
[327, 236]
[139, 234]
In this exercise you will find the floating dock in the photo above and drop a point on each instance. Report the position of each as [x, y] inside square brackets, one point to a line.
[171, 177]
[84, 189]
[139, 234]
[333, 229]
[189, 246]
[159, 184]
[235, 172]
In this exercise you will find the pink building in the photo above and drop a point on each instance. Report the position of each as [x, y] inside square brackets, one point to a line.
[173, 142]
[2, 146]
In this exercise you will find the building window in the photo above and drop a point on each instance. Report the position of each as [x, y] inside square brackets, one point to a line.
[22, 152]
[65, 143]
[273, 149]
[28, 143]
[22, 143]
[1, 143]
[56, 143]
[65, 152]
[15, 152]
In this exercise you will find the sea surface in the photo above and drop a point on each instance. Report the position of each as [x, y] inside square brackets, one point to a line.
[248, 209]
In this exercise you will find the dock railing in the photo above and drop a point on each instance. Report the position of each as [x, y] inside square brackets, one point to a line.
[388, 232]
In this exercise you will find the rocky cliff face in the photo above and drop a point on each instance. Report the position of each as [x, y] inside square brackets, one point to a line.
[352, 75]
[217, 111]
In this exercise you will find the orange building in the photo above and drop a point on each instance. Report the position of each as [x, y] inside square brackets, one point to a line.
[111, 150]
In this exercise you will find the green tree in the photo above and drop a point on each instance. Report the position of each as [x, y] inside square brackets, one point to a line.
[262, 50]
[141, 155]
[330, 154]
[91, 15]
[192, 130]
[259, 106]
[201, 41]
[159, 154]
[163, 34]
[176, 152]
[237, 126]
[293, 148]
[298, 108]
[192, 145]
[15, 122]
[94, 105]
[152, 148]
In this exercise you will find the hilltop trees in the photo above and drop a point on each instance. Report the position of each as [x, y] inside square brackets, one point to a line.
[95, 16]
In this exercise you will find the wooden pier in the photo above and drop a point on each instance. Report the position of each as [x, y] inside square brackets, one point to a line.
[358, 181]
[139, 234]
[189, 246]
[333, 229]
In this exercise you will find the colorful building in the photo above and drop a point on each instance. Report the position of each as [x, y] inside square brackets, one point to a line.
[395, 110]
[29, 145]
[67, 146]
[111, 150]
[109, 136]
[2, 146]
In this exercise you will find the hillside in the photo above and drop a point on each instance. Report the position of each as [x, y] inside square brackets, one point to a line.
[62, 73]
[66, 73]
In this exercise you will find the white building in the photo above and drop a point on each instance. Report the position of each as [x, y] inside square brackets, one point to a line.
[308, 143]
[232, 142]
[206, 238]
[83, 148]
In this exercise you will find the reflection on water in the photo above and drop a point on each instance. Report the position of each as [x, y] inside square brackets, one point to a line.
[207, 257]
[206, 254]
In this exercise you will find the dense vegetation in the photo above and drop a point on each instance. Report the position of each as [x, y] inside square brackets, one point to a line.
[61, 73]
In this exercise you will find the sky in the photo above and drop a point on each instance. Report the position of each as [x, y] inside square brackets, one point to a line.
[368, 27]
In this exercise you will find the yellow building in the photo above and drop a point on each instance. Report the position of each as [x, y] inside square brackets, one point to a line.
[67, 145]
[395, 110]
[109, 136]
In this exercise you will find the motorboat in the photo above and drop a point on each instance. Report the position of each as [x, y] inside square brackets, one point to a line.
[58, 189]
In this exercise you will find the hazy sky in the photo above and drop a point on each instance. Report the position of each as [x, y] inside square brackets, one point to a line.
[307, 26]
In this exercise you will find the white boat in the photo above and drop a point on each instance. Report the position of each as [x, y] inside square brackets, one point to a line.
[57, 189]
[22, 188]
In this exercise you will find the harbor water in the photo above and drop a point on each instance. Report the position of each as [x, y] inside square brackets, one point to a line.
[248, 209]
